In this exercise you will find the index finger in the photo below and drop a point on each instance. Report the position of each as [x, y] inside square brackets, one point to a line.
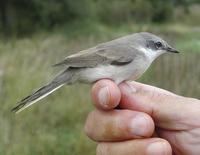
[168, 110]
[106, 94]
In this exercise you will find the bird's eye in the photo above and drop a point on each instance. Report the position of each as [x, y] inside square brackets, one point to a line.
[158, 44]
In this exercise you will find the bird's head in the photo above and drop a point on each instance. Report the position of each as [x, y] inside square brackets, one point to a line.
[154, 46]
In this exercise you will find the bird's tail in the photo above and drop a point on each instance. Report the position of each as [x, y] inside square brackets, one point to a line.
[59, 81]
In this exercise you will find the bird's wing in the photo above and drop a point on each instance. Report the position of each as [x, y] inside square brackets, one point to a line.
[102, 54]
[86, 58]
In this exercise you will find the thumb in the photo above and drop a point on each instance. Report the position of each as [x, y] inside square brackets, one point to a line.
[168, 110]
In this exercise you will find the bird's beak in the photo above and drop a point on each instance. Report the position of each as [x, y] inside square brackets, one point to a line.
[172, 50]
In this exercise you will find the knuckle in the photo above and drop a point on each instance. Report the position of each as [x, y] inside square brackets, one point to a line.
[157, 96]
[154, 94]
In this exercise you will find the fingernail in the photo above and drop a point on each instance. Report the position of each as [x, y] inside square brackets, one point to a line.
[139, 125]
[129, 88]
[156, 148]
[104, 96]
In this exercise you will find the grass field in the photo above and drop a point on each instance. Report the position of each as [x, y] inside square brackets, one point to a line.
[55, 125]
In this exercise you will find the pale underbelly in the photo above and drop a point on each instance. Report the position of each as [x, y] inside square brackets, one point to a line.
[115, 73]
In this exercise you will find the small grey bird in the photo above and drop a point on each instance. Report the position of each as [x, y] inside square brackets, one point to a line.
[119, 60]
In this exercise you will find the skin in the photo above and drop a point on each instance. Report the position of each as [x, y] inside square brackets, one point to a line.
[147, 120]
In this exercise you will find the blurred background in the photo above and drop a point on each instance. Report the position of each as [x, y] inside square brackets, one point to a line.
[35, 34]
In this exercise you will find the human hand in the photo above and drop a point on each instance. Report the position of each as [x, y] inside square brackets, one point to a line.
[149, 121]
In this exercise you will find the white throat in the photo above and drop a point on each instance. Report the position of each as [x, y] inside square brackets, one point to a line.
[149, 53]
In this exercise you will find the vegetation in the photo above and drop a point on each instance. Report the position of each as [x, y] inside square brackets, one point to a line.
[22, 17]
[55, 125]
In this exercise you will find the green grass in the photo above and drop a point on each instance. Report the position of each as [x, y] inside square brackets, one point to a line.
[55, 125]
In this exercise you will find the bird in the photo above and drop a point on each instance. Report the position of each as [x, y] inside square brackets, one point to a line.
[119, 60]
